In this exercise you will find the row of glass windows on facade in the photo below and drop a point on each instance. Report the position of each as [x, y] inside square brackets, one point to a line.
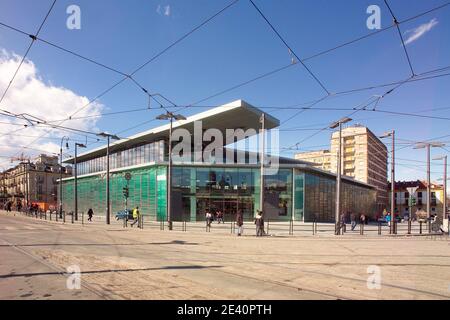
[290, 194]
[147, 153]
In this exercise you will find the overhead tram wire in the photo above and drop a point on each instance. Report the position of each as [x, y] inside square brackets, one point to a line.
[326, 51]
[261, 76]
[289, 47]
[33, 39]
[149, 61]
[291, 107]
[271, 72]
[401, 37]
[355, 110]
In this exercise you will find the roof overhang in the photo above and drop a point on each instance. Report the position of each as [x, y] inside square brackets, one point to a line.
[234, 115]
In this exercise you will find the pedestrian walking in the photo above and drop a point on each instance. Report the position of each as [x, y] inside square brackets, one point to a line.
[259, 222]
[388, 219]
[136, 215]
[240, 222]
[90, 214]
[208, 217]
[353, 221]
[362, 218]
[342, 222]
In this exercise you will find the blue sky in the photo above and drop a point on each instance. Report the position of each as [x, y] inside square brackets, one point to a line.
[237, 46]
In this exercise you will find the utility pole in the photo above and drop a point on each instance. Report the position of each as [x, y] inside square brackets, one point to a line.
[60, 178]
[262, 119]
[444, 201]
[428, 189]
[76, 179]
[338, 124]
[170, 116]
[428, 146]
[392, 135]
[108, 204]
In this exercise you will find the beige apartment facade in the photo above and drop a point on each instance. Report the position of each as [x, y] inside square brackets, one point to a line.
[364, 158]
[402, 198]
[33, 182]
[320, 158]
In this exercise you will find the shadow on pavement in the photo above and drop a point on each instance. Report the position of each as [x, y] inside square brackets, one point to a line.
[181, 242]
[28, 275]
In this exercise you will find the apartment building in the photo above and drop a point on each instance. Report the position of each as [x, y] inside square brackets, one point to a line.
[364, 158]
[320, 158]
[33, 182]
[402, 196]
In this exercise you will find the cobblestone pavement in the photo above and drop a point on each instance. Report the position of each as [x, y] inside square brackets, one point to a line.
[131, 263]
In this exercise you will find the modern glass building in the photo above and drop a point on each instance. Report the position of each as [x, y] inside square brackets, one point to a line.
[297, 191]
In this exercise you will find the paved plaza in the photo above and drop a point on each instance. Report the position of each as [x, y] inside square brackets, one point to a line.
[130, 263]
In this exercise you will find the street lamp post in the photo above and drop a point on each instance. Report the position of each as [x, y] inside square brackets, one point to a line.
[170, 116]
[76, 179]
[444, 201]
[428, 146]
[261, 197]
[108, 137]
[392, 135]
[334, 125]
[60, 178]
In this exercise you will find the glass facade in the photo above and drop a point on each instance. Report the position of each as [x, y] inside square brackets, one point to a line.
[143, 187]
[147, 153]
[320, 197]
[290, 194]
[199, 189]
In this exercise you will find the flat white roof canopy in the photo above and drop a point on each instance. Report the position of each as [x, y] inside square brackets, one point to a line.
[237, 114]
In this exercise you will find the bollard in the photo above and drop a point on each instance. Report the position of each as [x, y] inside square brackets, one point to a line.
[268, 222]
[409, 226]
[313, 228]
[361, 229]
[291, 227]
[379, 227]
[124, 222]
[82, 218]
[142, 222]
[420, 227]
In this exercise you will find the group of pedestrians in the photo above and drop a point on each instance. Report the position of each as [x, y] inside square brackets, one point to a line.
[353, 220]
[210, 217]
[258, 221]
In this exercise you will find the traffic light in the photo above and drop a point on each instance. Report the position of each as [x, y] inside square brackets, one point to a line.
[412, 201]
[126, 192]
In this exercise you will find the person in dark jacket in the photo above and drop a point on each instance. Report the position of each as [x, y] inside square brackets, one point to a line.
[90, 214]
[259, 222]
[353, 221]
[240, 222]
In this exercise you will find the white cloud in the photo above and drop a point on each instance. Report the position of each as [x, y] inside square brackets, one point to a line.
[418, 32]
[30, 94]
[167, 10]
[163, 10]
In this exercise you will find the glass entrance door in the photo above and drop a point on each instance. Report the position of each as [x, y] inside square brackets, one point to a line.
[228, 206]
